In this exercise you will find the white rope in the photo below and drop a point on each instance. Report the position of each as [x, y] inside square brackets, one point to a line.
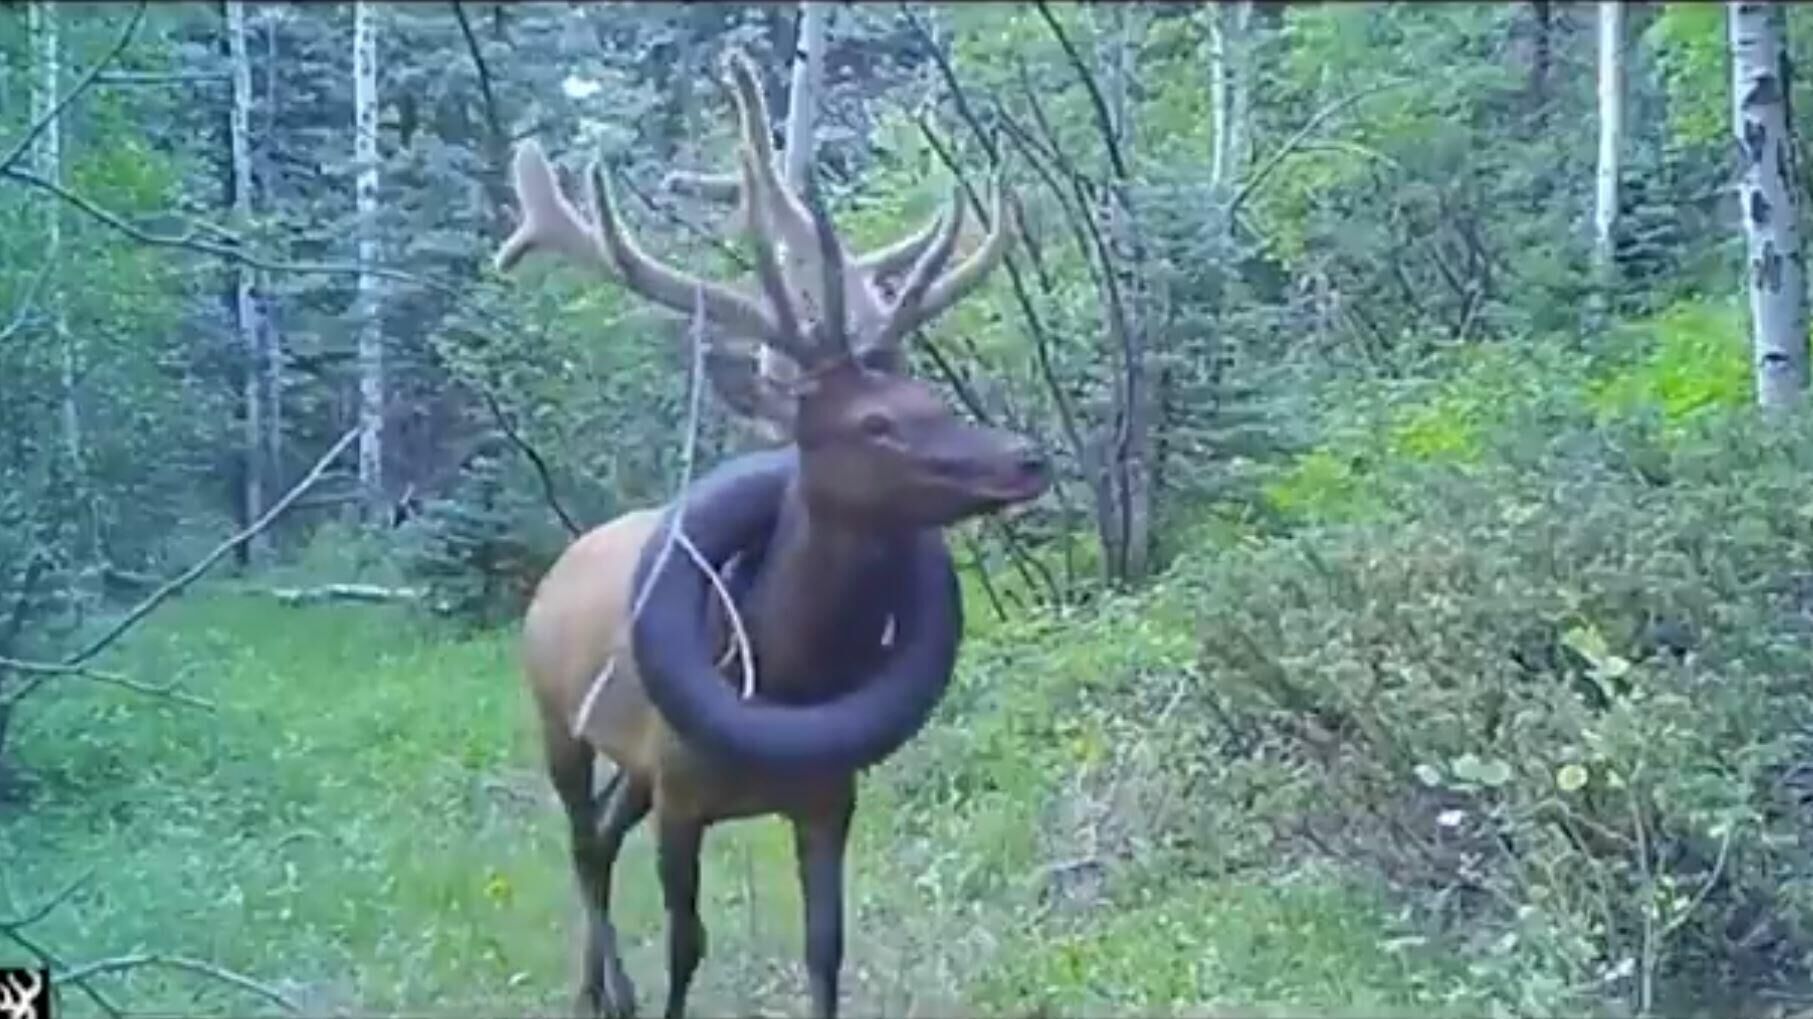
[677, 536]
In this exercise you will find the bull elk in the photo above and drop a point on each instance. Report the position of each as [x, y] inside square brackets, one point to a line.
[832, 542]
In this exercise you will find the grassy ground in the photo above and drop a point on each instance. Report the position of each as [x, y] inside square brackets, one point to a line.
[363, 824]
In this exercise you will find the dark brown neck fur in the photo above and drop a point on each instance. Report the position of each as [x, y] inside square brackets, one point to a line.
[819, 608]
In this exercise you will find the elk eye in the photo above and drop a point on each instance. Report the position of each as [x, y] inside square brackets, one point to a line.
[877, 425]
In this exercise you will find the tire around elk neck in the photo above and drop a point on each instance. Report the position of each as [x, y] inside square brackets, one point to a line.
[733, 509]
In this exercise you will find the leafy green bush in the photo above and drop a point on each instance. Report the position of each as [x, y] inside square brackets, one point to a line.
[1692, 356]
[1563, 701]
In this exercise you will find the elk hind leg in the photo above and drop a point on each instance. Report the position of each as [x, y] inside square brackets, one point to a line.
[599, 826]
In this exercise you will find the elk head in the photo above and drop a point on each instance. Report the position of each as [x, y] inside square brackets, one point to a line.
[877, 448]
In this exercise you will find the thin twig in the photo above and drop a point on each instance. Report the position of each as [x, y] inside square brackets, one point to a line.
[492, 119]
[56, 109]
[535, 460]
[1097, 102]
[1252, 182]
[23, 312]
[50, 958]
[1705, 889]
[117, 964]
[48, 905]
[232, 252]
[48, 670]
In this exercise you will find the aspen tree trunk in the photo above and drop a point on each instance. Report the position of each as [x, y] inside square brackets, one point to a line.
[1769, 199]
[272, 339]
[1230, 88]
[1611, 132]
[802, 95]
[245, 306]
[365, 192]
[799, 138]
[41, 18]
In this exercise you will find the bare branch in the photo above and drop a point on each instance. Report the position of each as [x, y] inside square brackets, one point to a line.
[535, 460]
[23, 312]
[121, 963]
[189, 576]
[1103, 120]
[56, 109]
[231, 252]
[168, 691]
[46, 907]
[492, 119]
[1251, 183]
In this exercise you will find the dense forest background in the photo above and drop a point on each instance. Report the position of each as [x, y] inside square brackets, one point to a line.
[1421, 620]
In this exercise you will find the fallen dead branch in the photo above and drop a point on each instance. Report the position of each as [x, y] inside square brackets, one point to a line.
[371, 593]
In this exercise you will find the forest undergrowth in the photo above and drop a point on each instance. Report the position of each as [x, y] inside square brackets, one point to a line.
[1493, 703]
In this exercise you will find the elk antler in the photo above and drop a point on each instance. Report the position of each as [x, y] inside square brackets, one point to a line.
[817, 302]
[877, 322]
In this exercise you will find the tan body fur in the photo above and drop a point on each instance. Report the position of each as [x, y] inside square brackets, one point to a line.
[577, 621]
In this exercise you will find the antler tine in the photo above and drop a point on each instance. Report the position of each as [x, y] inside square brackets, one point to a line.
[834, 323]
[790, 215]
[956, 284]
[899, 256]
[789, 338]
[904, 314]
[549, 221]
[661, 283]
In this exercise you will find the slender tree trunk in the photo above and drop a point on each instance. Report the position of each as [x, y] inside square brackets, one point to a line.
[1239, 14]
[1219, 107]
[1130, 449]
[245, 299]
[46, 41]
[803, 94]
[272, 338]
[800, 143]
[365, 192]
[1770, 199]
[1611, 132]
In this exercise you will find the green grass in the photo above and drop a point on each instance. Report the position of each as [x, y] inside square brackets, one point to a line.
[364, 825]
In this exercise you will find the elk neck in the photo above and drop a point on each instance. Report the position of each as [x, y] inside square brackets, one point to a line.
[820, 603]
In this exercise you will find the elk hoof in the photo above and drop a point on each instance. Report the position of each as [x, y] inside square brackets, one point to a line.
[618, 997]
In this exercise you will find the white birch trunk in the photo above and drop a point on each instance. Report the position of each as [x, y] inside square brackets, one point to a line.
[1769, 200]
[365, 192]
[41, 26]
[1611, 131]
[245, 306]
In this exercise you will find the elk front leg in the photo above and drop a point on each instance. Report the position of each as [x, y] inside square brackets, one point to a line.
[677, 845]
[819, 841]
